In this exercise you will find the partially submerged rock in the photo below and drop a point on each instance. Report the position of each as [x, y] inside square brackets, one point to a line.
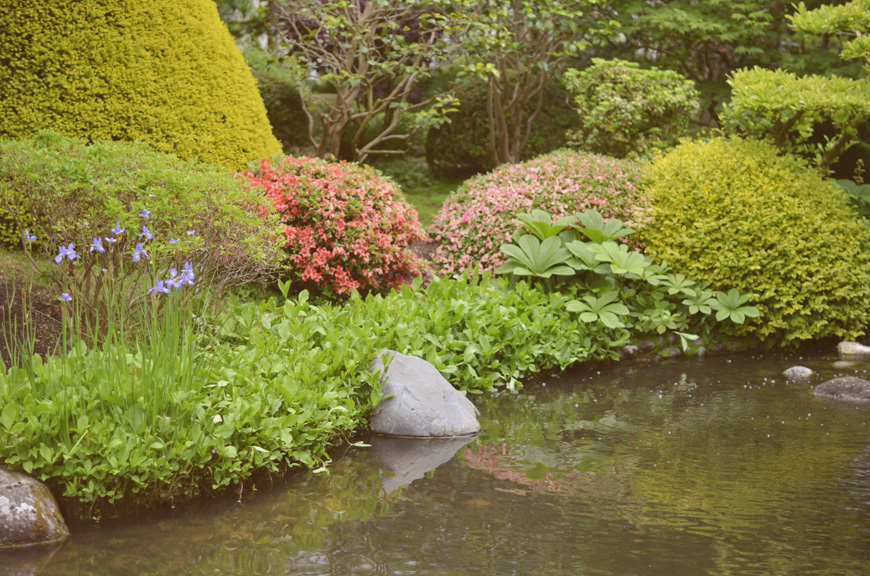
[846, 389]
[418, 401]
[798, 373]
[852, 349]
[29, 515]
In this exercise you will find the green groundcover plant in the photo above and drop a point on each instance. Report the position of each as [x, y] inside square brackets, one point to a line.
[736, 213]
[208, 403]
[480, 216]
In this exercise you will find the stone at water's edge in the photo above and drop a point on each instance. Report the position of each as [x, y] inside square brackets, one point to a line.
[418, 401]
[852, 349]
[798, 372]
[29, 514]
[847, 389]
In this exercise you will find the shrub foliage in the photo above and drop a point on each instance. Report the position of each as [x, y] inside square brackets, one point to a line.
[67, 191]
[165, 72]
[458, 149]
[346, 226]
[480, 216]
[628, 111]
[735, 213]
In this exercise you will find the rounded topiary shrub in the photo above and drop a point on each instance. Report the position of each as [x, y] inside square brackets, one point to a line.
[737, 214]
[346, 226]
[166, 72]
[481, 215]
[65, 190]
[458, 149]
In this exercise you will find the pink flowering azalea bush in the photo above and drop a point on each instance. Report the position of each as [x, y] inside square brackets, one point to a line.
[346, 226]
[481, 215]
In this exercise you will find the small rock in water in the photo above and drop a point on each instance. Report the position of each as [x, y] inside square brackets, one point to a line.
[843, 364]
[852, 349]
[847, 389]
[798, 372]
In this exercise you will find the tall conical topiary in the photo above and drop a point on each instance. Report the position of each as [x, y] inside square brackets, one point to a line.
[164, 72]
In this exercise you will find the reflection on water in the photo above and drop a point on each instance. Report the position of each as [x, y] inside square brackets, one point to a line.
[697, 466]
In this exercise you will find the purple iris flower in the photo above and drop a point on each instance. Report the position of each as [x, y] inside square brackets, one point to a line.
[64, 297]
[146, 233]
[146, 214]
[173, 241]
[187, 276]
[97, 245]
[139, 252]
[191, 232]
[110, 240]
[65, 251]
[117, 230]
[174, 281]
[159, 288]
[28, 236]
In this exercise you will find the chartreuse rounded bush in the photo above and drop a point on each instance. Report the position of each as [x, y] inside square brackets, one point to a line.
[166, 72]
[738, 214]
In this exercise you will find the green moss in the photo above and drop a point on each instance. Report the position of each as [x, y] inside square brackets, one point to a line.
[164, 72]
[737, 214]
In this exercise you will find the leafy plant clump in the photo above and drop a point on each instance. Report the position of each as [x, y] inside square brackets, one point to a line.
[64, 190]
[346, 226]
[480, 216]
[735, 213]
[204, 405]
[628, 111]
[609, 284]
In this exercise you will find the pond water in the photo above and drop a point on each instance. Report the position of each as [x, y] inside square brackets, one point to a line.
[683, 467]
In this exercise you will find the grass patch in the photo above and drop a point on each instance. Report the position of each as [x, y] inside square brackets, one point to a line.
[424, 192]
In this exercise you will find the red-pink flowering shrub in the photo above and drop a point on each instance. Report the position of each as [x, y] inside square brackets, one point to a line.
[347, 227]
[480, 216]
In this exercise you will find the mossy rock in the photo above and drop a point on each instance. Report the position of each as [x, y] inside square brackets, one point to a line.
[166, 72]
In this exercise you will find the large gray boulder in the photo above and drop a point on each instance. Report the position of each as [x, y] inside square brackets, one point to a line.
[418, 401]
[847, 389]
[29, 515]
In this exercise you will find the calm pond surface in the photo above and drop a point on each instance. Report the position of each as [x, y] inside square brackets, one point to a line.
[683, 467]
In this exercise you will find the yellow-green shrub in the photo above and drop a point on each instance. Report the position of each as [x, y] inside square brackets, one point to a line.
[164, 72]
[737, 214]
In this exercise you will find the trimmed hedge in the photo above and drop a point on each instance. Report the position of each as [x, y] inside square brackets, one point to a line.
[735, 213]
[164, 72]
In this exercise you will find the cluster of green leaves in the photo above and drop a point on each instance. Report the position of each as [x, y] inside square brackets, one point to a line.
[613, 285]
[859, 195]
[849, 21]
[125, 426]
[629, 111]
[785, 108]
[736, 213]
